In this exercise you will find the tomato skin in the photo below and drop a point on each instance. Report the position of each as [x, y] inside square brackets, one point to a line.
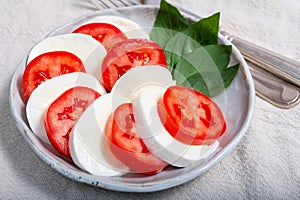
[129, 54]
[106, 34]
[127, 146]
[63, 113]
[47, 66]
[190, 116]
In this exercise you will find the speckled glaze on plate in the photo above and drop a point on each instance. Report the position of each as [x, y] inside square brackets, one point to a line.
[236, 102]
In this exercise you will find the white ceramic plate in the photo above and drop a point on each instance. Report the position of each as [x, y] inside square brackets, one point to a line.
[237, 103]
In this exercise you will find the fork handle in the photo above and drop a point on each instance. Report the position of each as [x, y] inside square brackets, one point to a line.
[283, 67]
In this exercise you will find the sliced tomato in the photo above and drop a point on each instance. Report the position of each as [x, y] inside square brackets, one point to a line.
[190, 116]
[64, 112]
[129, 54]
[106, 34]
[47, 66]
[127, 146]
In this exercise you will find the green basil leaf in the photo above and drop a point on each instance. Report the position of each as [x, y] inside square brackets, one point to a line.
[204, 32]
[179, 46]
[193, 54]
[168, 22]
[206, 69]
[221, 57]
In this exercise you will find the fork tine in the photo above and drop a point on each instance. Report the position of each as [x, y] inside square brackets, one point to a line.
[123, 3]
[99, 4]
[117, 3]
[109, 3]
[114, 3]
[129, 2]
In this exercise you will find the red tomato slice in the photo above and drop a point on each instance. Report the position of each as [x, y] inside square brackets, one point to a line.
[129, 54]
[190, 116]
[106, 34]
[127, 146]
[64, 112]
[47, 66]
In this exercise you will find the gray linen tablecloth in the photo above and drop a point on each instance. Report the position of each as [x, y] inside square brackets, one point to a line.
[265, 165]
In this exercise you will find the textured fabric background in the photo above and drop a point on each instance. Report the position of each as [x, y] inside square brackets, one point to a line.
[265, 165]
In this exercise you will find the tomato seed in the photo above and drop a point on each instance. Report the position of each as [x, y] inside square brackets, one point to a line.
[65, 69]
[79, 103]
[68, 111]
[122, 69]
[100, 37]
[143, 58]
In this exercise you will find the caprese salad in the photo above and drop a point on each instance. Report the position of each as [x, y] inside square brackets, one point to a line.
[107, 99]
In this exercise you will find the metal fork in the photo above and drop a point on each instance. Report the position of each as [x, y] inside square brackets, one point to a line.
[276, 78]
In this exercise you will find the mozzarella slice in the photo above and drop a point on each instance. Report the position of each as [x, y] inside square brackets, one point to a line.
[128, 27]
[42, 97]
[157, 138]
[88, 144]
[86, 48]
[129, 86]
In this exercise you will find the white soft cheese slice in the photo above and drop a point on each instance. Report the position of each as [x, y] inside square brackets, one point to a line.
[129, 86]
[42, 97]
[88, 144]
